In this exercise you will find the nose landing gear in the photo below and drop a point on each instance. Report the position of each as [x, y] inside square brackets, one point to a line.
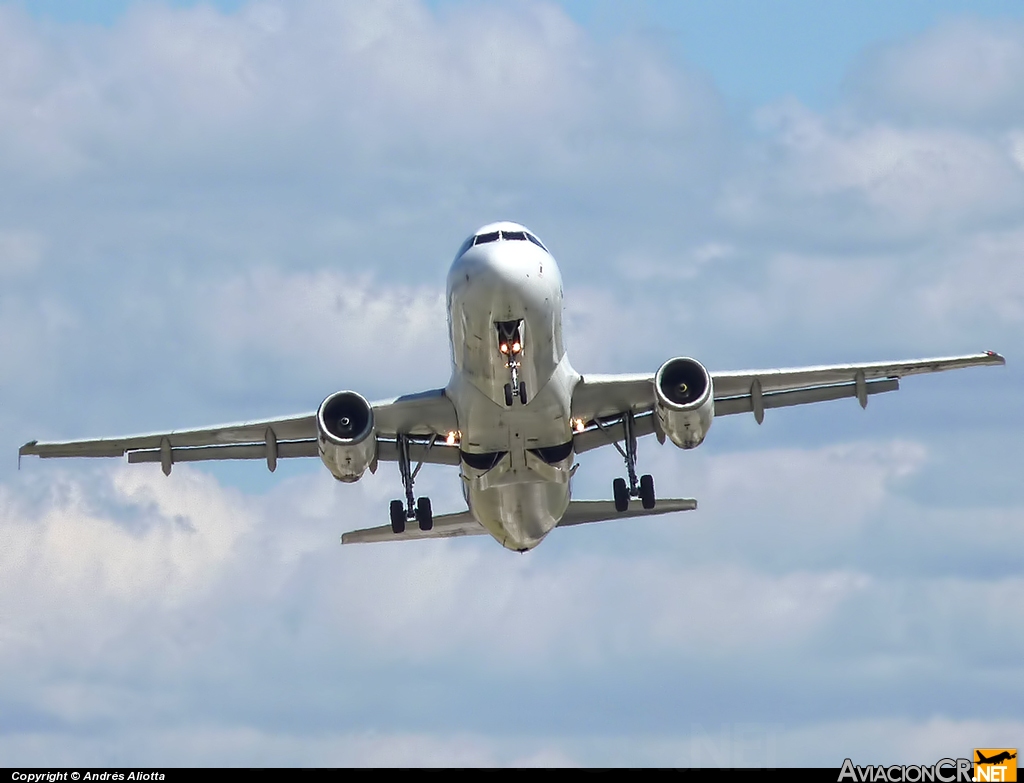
[642, 489]
[520, 392]
[510, 344]
[418, 510]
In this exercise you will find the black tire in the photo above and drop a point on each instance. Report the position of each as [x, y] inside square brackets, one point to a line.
[424, 515]
[621, 495]
[522, 393]
[508, 395]
[647, 491]
[397, 517]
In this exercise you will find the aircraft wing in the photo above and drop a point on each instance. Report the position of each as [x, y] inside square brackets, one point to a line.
[747, 391]
[427, 417]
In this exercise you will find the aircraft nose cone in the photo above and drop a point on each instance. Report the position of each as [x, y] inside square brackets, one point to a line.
[505, 262]
[507, 274]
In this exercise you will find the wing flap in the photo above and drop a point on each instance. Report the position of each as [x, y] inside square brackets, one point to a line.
[387, 451]
[594, 437]
[436, 453]
[295, 448]
[745, 404]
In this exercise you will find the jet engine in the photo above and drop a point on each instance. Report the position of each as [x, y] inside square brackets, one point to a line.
[684, 401]
[345, 436]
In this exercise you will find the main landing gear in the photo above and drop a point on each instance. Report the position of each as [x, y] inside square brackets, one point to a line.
[642, 489]
[409, 511]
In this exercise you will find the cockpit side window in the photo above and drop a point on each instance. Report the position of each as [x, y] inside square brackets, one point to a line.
[465, 246]
[536, 241]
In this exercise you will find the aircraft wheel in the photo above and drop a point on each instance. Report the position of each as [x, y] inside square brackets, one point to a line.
[621, 494]
[522, 393]
[424, 515]
[647, 490]
[508, 395]
[397, 517]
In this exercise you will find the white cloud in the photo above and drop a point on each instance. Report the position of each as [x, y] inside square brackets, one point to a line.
[216, 746]
[180, 533]
[731, 744]
[129, 577]
[871, 180]
[901, 741]
[982, 275]
[318, 85]
[1016, 141]
[961, 70]
[334, 324]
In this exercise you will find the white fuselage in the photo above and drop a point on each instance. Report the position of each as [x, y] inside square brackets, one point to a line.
[517, 459]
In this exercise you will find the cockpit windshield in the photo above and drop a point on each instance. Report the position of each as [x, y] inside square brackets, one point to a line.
[495, 236]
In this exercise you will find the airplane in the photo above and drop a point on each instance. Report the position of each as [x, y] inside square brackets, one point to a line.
[996, 759]
[514, 414]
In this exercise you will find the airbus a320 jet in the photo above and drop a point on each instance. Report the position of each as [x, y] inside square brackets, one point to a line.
[515, 412]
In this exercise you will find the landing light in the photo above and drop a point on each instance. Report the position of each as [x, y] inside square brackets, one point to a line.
[516, 347]
[503, 347]
[452, 439]
[579, 426]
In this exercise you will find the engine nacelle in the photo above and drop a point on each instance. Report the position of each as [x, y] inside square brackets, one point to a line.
[684, 401]
[345, 435]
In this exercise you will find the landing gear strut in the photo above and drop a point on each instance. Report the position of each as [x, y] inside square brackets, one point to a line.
[642, 489]
[412, 509]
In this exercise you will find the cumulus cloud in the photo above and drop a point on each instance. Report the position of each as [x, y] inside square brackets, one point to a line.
[962, 70]
[865, 180]
[330, 322]
[982, 276]
[322, 85]
[190, 590]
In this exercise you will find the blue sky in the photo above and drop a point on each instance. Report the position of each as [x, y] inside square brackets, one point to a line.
[210, 213]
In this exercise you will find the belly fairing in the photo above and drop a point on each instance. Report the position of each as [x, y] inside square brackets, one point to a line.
[520, 515]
